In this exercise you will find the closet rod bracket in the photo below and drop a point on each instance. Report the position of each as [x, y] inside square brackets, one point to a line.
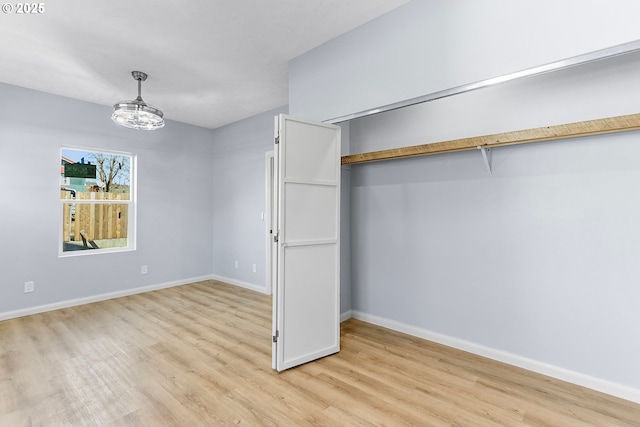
[486, 155]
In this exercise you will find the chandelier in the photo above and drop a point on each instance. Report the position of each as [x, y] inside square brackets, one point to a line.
[137, 114]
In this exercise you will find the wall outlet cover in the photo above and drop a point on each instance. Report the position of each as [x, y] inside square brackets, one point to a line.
[29, 287]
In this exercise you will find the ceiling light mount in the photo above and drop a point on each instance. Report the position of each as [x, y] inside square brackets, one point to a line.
[139, 75]
[137, 114]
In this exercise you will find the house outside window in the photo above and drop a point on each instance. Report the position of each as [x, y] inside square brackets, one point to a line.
[97, 197]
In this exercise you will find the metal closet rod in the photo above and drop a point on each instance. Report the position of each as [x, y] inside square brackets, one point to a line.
[610, 52]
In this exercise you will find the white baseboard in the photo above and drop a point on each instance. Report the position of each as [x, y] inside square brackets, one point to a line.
[604, 386]
[95, 298]
[240, 283]
[126, 292]
[346, 316]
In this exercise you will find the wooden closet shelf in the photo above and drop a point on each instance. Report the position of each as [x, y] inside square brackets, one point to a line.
[546, 133]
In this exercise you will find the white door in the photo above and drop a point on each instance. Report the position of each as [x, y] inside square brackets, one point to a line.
[306, 300]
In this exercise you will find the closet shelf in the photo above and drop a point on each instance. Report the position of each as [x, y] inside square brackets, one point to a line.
[546, 133]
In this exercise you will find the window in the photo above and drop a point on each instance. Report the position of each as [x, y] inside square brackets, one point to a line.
[98, 203]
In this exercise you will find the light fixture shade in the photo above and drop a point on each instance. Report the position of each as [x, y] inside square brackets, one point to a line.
[137, 114]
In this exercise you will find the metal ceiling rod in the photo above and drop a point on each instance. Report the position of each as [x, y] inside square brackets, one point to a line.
[621, 49]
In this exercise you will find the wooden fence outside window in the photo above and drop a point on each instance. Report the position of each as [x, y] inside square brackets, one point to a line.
[98, 221]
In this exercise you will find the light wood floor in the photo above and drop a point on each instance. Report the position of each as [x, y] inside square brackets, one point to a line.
[200, 354]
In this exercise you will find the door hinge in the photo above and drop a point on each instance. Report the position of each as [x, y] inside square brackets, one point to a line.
[275, 337]
[277, 139]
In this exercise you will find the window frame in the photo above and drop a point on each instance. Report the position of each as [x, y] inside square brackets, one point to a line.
[132, 204]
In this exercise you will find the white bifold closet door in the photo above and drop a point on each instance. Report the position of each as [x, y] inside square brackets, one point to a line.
[306, 245]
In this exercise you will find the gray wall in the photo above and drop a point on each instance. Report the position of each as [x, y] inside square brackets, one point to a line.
[536, 262]
[345, 225]
[427, 46]
[239, 199]
[174, 201]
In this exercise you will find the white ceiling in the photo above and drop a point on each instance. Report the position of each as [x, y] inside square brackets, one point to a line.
[210, 62]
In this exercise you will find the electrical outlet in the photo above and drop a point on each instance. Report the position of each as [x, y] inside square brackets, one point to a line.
[143, 269]
[29, 287]
[254, 268]
[236, 263]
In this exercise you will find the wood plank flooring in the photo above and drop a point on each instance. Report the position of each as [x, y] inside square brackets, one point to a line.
[200, 355]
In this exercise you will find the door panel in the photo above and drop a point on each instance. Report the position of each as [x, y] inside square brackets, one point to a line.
[309, 329]
[310, 212]
[307, 262]
[315, 157]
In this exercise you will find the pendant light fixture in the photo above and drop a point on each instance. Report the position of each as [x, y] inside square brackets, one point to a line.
[137, 114]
